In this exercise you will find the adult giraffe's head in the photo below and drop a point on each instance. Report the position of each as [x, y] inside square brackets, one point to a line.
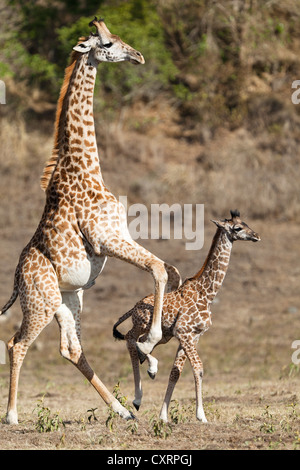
[103, 46]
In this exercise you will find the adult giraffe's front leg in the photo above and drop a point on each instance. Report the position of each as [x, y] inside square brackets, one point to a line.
[119, 244]
[133, 253]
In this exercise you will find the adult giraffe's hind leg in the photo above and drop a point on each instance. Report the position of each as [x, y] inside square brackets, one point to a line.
[68, 318]
[39, 301]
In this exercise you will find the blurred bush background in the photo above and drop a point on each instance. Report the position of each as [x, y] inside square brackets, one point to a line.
[208, 119]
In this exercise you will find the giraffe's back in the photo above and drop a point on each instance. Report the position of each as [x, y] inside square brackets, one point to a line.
[184, 311]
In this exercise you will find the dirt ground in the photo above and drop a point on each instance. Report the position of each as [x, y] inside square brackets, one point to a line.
[250, 387]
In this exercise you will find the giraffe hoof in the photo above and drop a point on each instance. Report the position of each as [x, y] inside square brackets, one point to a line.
[131, 416]
[142, 356]
[152, 375]
[12, 417]
[137, 407]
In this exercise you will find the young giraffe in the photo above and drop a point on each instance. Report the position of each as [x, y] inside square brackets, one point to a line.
[82, 224]
[186, 313]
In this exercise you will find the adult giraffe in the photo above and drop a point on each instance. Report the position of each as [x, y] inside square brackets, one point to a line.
[82, 224]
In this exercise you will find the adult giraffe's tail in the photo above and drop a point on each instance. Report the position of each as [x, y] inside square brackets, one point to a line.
[116, 332]
[13, 296]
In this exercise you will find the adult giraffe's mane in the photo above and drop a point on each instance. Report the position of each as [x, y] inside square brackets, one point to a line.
[59, 121]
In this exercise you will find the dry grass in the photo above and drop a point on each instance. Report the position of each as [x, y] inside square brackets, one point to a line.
[259, 174]
[22, 156]
[250, 415]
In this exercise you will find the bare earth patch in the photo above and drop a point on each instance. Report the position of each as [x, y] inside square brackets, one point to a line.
[250, 387]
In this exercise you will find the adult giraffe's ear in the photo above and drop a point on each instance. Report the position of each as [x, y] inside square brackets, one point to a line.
[83, 47]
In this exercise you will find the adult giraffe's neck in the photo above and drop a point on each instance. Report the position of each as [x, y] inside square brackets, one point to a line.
[211, 276]
[75, 154]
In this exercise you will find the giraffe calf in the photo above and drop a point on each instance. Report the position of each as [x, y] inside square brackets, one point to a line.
[175, 323]
[186, 314]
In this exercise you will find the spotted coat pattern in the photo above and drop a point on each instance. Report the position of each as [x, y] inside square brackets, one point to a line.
[186, 314]
[82, 224]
